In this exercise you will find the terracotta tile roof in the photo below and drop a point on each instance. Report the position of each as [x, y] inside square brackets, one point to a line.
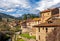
[29, 20]
[52, 8]
[48, 10]
[45, 11]
[52, 23]
[25, 21]
[36, 19]
[22, 21]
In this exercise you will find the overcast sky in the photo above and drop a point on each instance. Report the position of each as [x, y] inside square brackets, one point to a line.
[19, 7]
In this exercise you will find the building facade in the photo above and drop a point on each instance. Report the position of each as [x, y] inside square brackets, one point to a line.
[35, 21]
[47, 24]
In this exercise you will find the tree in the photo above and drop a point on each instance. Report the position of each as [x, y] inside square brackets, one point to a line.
[29, 16]
[24, 16]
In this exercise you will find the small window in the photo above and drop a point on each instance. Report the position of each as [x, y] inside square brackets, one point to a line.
[49, 21]
[54, 28]
[39, 37]
[48, 13]
[46, 30]
[36, 40]
[39, 29]
[43, 14]
[43, 28]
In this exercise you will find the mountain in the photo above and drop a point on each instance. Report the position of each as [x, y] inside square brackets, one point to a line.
[28, 16]
[3, 15]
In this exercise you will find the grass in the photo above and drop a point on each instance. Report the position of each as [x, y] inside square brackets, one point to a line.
[26, 35]
[33, 37]
[20, 40]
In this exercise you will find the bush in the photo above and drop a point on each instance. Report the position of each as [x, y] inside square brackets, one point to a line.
[20, 40]
[26, 35]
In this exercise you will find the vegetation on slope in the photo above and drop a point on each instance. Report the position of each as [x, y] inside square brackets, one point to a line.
[26, 35]
[20, 40]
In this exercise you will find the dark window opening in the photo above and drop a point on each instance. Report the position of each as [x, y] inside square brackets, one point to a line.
[49, 21]
[36, 40]
[39, 29]
[54, 28]
[43, 28]
[46, 30]
[39, 37]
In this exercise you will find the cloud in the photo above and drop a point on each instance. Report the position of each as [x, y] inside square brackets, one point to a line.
[19, 7]
[13, 6]
[44, 4]
[2, 10]
[33, 11]
[7, 4]
[10, 10]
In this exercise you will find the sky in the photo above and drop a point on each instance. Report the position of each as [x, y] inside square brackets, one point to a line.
[18, 7]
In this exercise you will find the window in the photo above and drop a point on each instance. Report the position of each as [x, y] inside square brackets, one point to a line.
[39, 29]
[36, 40]
[54, 28]
[46, 30]
[39, 37]
[49, 21]
[43, 14]
[43, 28]
[48, 13]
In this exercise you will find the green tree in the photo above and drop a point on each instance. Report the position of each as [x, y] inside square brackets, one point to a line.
[29, 16]
[24, 16]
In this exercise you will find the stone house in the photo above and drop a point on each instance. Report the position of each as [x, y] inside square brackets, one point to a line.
[4, 19]
[27, 25]
[46, 28]
[12, 24]
[47, 14]
[23, 26]
[48, 23]
[33, 22]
